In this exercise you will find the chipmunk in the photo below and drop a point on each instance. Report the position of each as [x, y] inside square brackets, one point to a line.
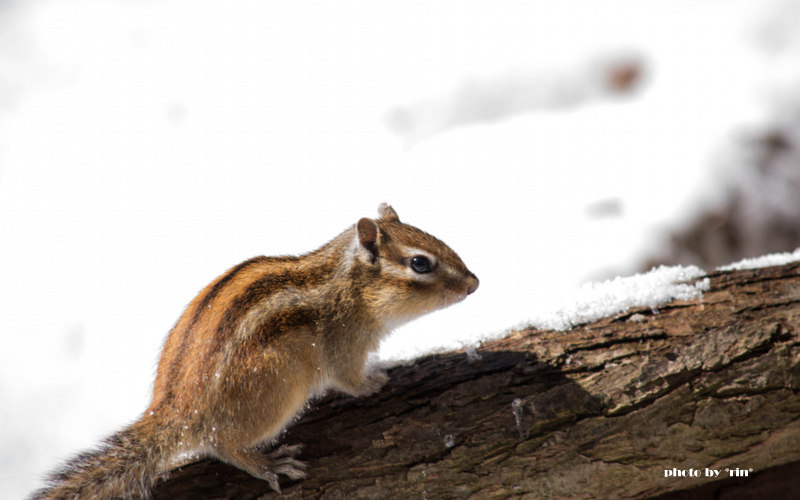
[259, 341]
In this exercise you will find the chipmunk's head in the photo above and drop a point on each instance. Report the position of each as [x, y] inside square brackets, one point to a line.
[407, 272]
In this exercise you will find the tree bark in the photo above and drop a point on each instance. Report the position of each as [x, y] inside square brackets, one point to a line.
[617, 408]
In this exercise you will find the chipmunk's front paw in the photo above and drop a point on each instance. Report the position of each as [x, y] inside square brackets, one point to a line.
[363, 383]
[374, 380]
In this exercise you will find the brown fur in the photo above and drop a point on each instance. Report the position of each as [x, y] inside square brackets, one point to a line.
[257, 342]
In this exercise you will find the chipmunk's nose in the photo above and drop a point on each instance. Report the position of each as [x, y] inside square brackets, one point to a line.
[472, 283]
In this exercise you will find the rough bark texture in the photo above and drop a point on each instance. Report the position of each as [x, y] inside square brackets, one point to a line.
[600, 411]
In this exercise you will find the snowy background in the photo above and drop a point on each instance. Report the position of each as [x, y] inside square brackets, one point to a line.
[147, 146]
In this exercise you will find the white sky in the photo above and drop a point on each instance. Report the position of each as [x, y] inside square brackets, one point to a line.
[145, 147]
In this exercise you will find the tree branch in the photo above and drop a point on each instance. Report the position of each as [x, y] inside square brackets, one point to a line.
[602, 410]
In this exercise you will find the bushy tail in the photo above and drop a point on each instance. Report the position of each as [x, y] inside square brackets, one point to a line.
[126, 465]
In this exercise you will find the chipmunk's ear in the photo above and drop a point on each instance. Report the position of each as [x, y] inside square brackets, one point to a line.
[387, 213]
[368, 238]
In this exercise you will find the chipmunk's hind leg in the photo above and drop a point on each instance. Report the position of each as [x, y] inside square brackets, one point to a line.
[267, 467]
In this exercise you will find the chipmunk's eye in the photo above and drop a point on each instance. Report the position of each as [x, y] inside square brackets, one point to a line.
[421, 264]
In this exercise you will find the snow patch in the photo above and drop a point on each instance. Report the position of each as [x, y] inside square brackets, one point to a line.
[773, 259]
[599, 300]
[588, 303]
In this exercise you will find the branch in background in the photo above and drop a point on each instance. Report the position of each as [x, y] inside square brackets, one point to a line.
[482, 100]
[760, 208]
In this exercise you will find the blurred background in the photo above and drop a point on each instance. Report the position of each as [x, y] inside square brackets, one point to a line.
[147, 146]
